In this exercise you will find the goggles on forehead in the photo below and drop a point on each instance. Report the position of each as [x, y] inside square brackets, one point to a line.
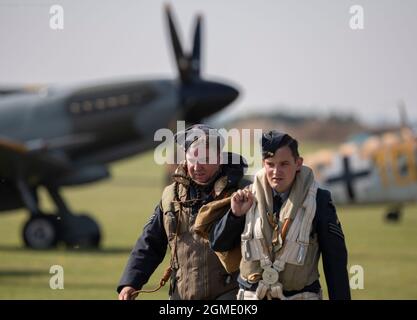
[199, 133]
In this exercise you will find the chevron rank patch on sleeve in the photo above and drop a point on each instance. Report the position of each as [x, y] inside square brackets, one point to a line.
[336, 229]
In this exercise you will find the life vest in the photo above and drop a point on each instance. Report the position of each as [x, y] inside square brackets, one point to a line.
[292, 263]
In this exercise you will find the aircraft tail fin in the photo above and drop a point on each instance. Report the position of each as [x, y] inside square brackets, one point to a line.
[406, 130]
[402, 110]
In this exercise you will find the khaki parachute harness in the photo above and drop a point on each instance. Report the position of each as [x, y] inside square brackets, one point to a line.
[187, 181]
[180, 178]
[162, 282]
[183, 203]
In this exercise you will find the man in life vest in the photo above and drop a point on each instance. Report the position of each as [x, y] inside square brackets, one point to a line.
[283, 222]
[201, 190]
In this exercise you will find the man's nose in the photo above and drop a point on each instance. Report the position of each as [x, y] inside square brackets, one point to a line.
[197, 165]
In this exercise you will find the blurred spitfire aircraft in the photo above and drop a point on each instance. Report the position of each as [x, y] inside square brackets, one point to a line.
[58, 137]
[380, 169]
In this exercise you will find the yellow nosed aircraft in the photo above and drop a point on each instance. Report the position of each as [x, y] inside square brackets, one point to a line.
[380, 169]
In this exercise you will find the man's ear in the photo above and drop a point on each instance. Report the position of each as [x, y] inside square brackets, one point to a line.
[299, 163]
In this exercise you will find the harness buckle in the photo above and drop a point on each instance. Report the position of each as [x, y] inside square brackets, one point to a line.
[270, 275]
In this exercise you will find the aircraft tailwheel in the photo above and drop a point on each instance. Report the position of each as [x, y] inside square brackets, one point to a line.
[41, 232]
[80, 231]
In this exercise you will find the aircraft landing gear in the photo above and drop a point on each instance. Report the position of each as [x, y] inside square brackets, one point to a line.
[41, 231]
[45, 231]
[393, 215]
[76, 231]
[80, 231]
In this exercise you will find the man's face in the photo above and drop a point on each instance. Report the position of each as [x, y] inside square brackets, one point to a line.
[198, 165]
[281, 169]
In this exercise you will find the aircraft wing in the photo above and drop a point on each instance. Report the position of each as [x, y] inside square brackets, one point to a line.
[30, 160]
[33, 88]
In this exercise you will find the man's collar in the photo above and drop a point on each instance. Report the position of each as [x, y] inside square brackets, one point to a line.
[283, 195]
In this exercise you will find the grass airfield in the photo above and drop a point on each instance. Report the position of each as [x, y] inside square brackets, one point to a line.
[122, 205]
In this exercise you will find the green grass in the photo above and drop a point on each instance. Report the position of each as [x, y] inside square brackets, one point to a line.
[387, 252]
[121, 205]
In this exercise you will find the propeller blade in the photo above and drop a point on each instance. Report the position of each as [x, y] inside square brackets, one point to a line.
[176, 44]
[196, 54]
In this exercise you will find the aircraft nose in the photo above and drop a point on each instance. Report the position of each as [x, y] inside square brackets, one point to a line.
[203, 98]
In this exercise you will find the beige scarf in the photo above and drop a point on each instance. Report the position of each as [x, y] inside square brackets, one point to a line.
[263, 194]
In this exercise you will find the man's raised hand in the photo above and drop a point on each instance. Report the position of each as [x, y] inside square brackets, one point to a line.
[241, 202]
